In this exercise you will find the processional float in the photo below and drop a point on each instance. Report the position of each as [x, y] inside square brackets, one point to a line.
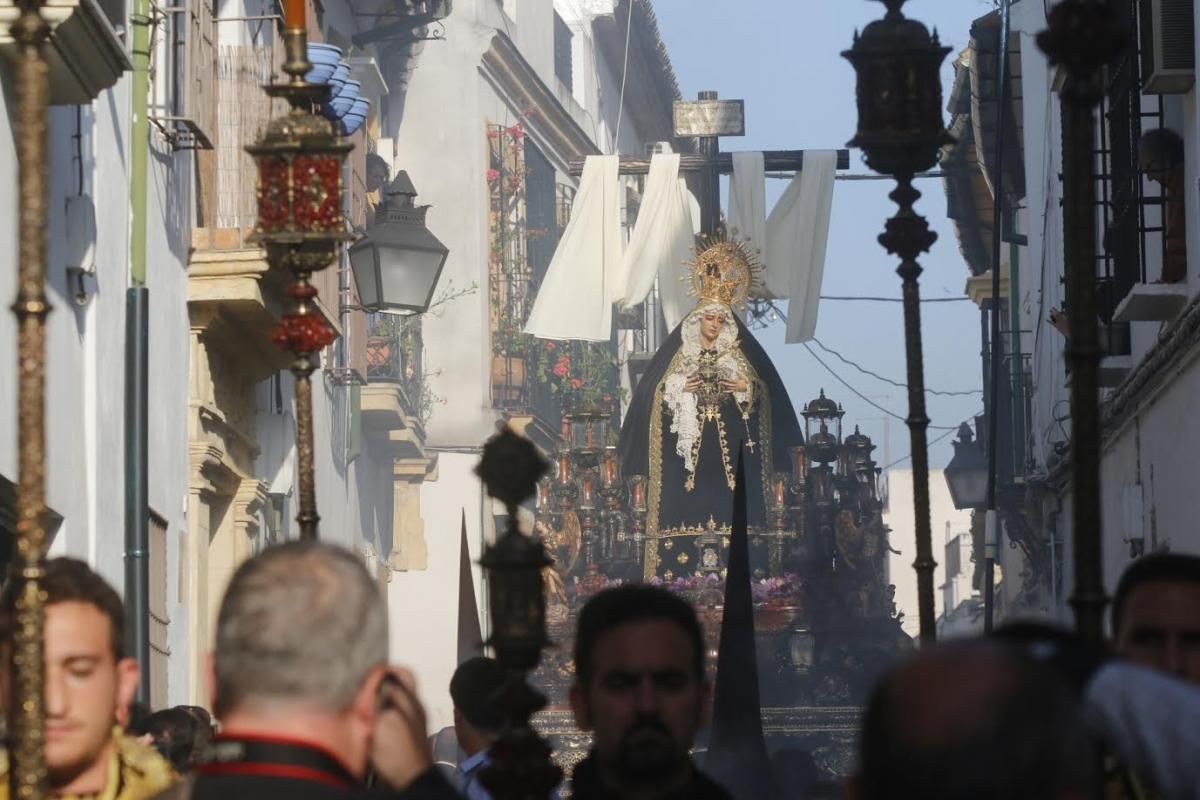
[301, 227]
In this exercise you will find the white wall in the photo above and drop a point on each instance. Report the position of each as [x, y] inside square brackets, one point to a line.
[423, 604]
[86, 344]
[901, 518]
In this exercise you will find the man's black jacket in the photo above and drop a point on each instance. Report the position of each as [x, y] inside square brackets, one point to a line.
[262, 769]
[587, 785]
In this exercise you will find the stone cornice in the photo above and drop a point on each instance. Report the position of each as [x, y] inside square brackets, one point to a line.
[1178, 347]
[504, 65]
[1175, 350]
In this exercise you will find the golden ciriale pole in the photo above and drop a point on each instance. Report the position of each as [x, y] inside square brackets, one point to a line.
[27, 772]
[301, 226]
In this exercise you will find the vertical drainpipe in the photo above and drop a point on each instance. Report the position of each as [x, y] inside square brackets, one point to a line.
[1018, 368]
[137, 335]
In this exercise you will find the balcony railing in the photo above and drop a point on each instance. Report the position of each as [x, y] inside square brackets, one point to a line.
[394, 355]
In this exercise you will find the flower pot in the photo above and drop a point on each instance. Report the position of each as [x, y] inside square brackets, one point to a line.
[337, 80]
[324, 58]
[508, 379]
[356, 116]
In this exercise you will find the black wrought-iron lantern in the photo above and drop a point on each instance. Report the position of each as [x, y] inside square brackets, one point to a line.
[898, 62]
[822, 428]
[967, 473]
[398, 263]
[900, 132]
[511, 468]
[521, 766]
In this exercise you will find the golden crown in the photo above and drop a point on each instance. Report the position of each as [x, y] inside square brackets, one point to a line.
[724, 270]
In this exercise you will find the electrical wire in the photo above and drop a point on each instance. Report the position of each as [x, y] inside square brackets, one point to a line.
[866, 399]
[935, 441]
[893, 299]
[879, 377]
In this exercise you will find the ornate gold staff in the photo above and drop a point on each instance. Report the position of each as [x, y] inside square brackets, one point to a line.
[27, 774]
[300, 223]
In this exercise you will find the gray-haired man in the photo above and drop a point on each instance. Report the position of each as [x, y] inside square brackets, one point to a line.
[301, 684]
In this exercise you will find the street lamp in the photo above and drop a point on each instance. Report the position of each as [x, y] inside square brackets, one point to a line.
[967, 473]
[397, 264]
[901, 133]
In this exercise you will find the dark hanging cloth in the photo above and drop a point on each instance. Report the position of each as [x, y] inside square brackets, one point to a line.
[470, 637]
[737, 752]
[678, 515]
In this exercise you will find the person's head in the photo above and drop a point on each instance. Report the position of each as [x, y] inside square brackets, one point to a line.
[302, 634]
[478, 720]
[639, 683]
[179, 735]
[712, 321]
[377, 172]
[1159, 151]
[88, 679]
[134, 718]
[973, 719]
[1156, 614]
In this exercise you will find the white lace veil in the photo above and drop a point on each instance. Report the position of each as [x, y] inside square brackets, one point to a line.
[685, 419]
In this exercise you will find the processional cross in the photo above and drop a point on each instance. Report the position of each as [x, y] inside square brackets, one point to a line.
[708, 119]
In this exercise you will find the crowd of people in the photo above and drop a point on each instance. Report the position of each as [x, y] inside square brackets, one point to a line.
[316, 711]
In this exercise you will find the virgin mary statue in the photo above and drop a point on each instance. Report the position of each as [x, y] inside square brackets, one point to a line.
[709, 391]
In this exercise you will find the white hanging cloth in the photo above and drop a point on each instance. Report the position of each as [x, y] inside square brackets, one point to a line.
[748, 209]
[662, 239]
[797, 235]
[585, 277]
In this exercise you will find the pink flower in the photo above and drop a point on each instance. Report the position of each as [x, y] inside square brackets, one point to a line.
[550, 345]
[493, 133]
[493, 175]
[576, 383]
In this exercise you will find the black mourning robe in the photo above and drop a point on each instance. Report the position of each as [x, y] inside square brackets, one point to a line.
[684, 526]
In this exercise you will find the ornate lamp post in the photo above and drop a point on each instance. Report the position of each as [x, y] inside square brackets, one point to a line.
[27, 773]
[521, 768]
[900, 132]
[1082, 37]
[300, 224]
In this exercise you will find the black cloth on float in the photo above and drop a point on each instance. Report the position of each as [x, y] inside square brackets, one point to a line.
[737, 752]
[470, 637]
[773, 428]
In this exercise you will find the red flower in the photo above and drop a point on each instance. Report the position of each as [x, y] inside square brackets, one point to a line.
[303, 333]
[576, 383]
[493, 175]
[550, 345]
[562, 366]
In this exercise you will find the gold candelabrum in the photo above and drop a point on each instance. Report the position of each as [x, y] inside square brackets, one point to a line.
[301, 226]
[27, 713]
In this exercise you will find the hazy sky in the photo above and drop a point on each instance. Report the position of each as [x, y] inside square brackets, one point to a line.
[783, 58]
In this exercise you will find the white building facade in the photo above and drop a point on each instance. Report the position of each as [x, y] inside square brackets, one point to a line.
[493, 114]
[1147, 228]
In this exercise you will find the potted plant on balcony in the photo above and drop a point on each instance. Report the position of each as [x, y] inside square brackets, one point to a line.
[510, 347]
[581, 375]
